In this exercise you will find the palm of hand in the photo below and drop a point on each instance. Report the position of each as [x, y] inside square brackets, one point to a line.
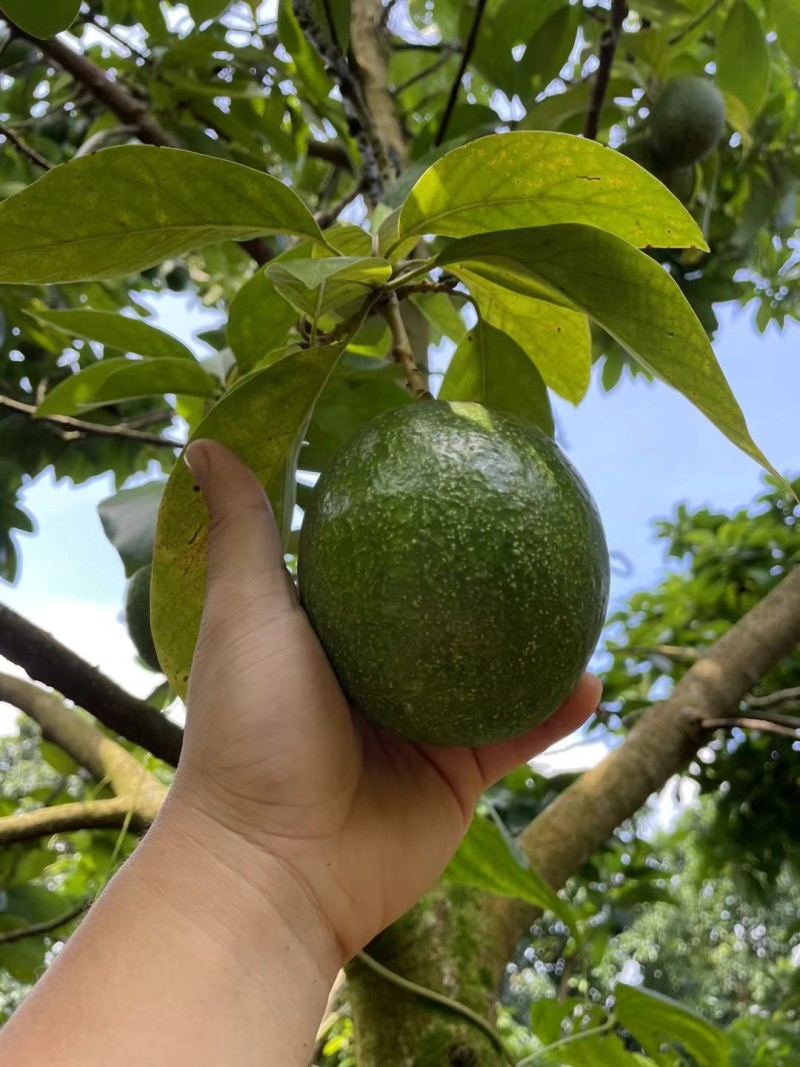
[365, 820]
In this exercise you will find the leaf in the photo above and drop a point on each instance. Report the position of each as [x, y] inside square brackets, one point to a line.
[507, 181]
[116, 331]
[490, 368]
[123, 209]
[61, 762]
[259, 321]
[111, 380]
[655, 1020]
[262, 419]
[487, 860]
[627, 293]
[441, 313]
[786, 19]
[42, 18]
[129, 522]
[743, 57]
[352, 396]
[556, 340]
[202, 10]
[324, 286]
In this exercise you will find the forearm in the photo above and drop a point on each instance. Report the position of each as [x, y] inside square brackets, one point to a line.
[183, 960]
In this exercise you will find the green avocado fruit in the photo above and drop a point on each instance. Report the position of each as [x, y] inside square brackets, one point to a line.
[137, 616]
[454, 567]
[687, 121]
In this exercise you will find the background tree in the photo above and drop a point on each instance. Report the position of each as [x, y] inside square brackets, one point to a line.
[350, 105]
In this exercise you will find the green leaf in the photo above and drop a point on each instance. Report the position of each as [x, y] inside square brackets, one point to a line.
[129, 522]
[123, 209]
[262, 419]
[507, 181]
[487, 859]
[354, 394]
[627, 293]
[441, 313]
[786, 19]
[259, 321]
[317, 287]
[490, 368]
[556, 340]
[655, 1020]
[116, 331]
[42, 18]
[202, 10]
[111, 380]
[60, 761]
[743, 57]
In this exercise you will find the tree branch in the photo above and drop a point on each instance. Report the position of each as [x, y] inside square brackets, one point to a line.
[130, 109]
[46, 927]
[24, 149]
[466, 55]
[104, 758]
[67, 818]
[70, 428]
[766, 726]
[48, 661]
[401, 348]
[608, 47]
[772, 700]
[585, 815]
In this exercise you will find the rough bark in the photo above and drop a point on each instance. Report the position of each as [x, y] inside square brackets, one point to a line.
[441, 944]
[367, 42]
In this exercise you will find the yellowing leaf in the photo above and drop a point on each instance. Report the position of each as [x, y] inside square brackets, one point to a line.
[262, 419]
[491, 369]
[627, 293]
[513, 180]
[124, 209]
[556, 340]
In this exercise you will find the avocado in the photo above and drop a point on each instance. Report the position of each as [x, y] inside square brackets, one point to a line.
[137, 616]
[454, 567]
[687, 121]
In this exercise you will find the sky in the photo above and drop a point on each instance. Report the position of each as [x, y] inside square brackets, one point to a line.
[640, 449]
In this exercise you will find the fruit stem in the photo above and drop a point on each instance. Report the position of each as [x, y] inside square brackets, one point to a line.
[401, 348]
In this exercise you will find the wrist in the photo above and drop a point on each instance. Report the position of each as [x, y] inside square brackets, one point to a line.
[247, 898]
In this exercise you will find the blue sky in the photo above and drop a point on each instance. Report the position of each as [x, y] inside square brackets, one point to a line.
[640, 449]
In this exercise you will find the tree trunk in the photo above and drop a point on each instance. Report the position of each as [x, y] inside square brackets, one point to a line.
[441, 944]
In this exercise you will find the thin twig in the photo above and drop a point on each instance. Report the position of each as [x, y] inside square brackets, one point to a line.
[771, 700]
[469, 48]
[764, 725]
[36, 929]
[699, 18]
[445, 285]
[401, 348]
[71, 429]
[608, 47]
[327, 217]
[443, 1001]
[444, 57]
[24, 149]
[609, 1024]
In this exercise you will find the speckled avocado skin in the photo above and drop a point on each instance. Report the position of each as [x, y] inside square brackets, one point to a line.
[454, 566]
[137, 615]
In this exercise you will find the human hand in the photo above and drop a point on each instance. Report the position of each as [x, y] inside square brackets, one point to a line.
[279, 770]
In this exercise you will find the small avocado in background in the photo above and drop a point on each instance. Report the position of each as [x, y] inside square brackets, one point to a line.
[687, 121]
[137, 616]
[454, 567]
[177, 278]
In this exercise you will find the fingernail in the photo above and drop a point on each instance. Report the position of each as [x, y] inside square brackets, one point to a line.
[196, 459]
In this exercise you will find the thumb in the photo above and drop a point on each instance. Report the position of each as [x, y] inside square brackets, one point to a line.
[244, 547]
